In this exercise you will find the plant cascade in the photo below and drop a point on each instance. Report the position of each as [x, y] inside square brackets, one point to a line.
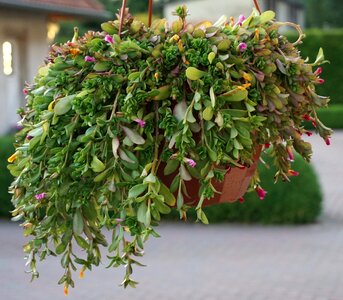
[111, 111]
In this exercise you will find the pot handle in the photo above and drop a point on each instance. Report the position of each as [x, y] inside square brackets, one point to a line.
[122, 12]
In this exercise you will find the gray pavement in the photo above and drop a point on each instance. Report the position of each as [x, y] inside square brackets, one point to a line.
[219, 262]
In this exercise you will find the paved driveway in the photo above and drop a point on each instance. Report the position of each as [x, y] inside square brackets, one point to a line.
[212, 262]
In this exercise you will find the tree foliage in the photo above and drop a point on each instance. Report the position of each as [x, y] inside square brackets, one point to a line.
[324, 13]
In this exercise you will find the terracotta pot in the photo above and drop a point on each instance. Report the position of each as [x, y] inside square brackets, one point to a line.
[234, 186]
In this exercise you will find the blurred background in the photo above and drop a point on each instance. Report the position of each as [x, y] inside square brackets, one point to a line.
[255, 250]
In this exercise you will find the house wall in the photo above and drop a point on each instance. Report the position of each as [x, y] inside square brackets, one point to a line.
[213, 9]
[210, 10]
[285, 11]
[27, 33]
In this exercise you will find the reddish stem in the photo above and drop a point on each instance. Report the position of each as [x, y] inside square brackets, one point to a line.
[257, 6]
[122, 12]
[150, 13]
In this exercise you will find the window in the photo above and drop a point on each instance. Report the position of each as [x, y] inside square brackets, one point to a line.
[53, 29]
[7, 59]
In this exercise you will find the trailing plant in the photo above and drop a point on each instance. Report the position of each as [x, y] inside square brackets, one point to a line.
[111, 111]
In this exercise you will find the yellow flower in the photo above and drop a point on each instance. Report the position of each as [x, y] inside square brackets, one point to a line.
[246, 85]
[243, 86]
[82, 272]
[174, 38]
[65, 290]
[157, 75]
[13, 157]
[247, 77]
[180, 46]
[51, 106]
[74, 51]
[257, 34]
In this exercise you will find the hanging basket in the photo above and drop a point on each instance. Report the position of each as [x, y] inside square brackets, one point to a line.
[235, 184]
[111, 112]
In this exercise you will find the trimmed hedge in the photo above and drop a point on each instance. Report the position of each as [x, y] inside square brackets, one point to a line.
[295, 202]
[6, 150]
[331, 117]
[331, 42]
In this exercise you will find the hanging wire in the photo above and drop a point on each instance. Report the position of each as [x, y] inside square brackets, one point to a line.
[150, 13]
[257, 6]
[122, 12]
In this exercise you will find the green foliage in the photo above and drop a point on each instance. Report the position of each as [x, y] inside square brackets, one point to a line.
[330, 40]
[295, 202]
[109, 107]
[324, 13]
[6, 150]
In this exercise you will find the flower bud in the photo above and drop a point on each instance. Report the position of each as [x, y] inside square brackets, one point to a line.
[261, 192]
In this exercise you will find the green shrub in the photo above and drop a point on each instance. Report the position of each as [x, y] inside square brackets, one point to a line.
[295, 202]
[332, 116]
[6, 150]
[331, 42]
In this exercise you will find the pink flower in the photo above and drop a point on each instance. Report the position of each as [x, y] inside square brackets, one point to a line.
[140, 122]
[40, 196]
[109, 39]
[292, 173]
[18, 127]
[260, 192]
[308, 133]
[90, 59]
[242, 47]
[290, 153]
[71, 44]
[190, 162]
[241, 200]
[318, 71]
[307, 117]
[241, 18]
[320, 81]
[25, 91]
[327, 141]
